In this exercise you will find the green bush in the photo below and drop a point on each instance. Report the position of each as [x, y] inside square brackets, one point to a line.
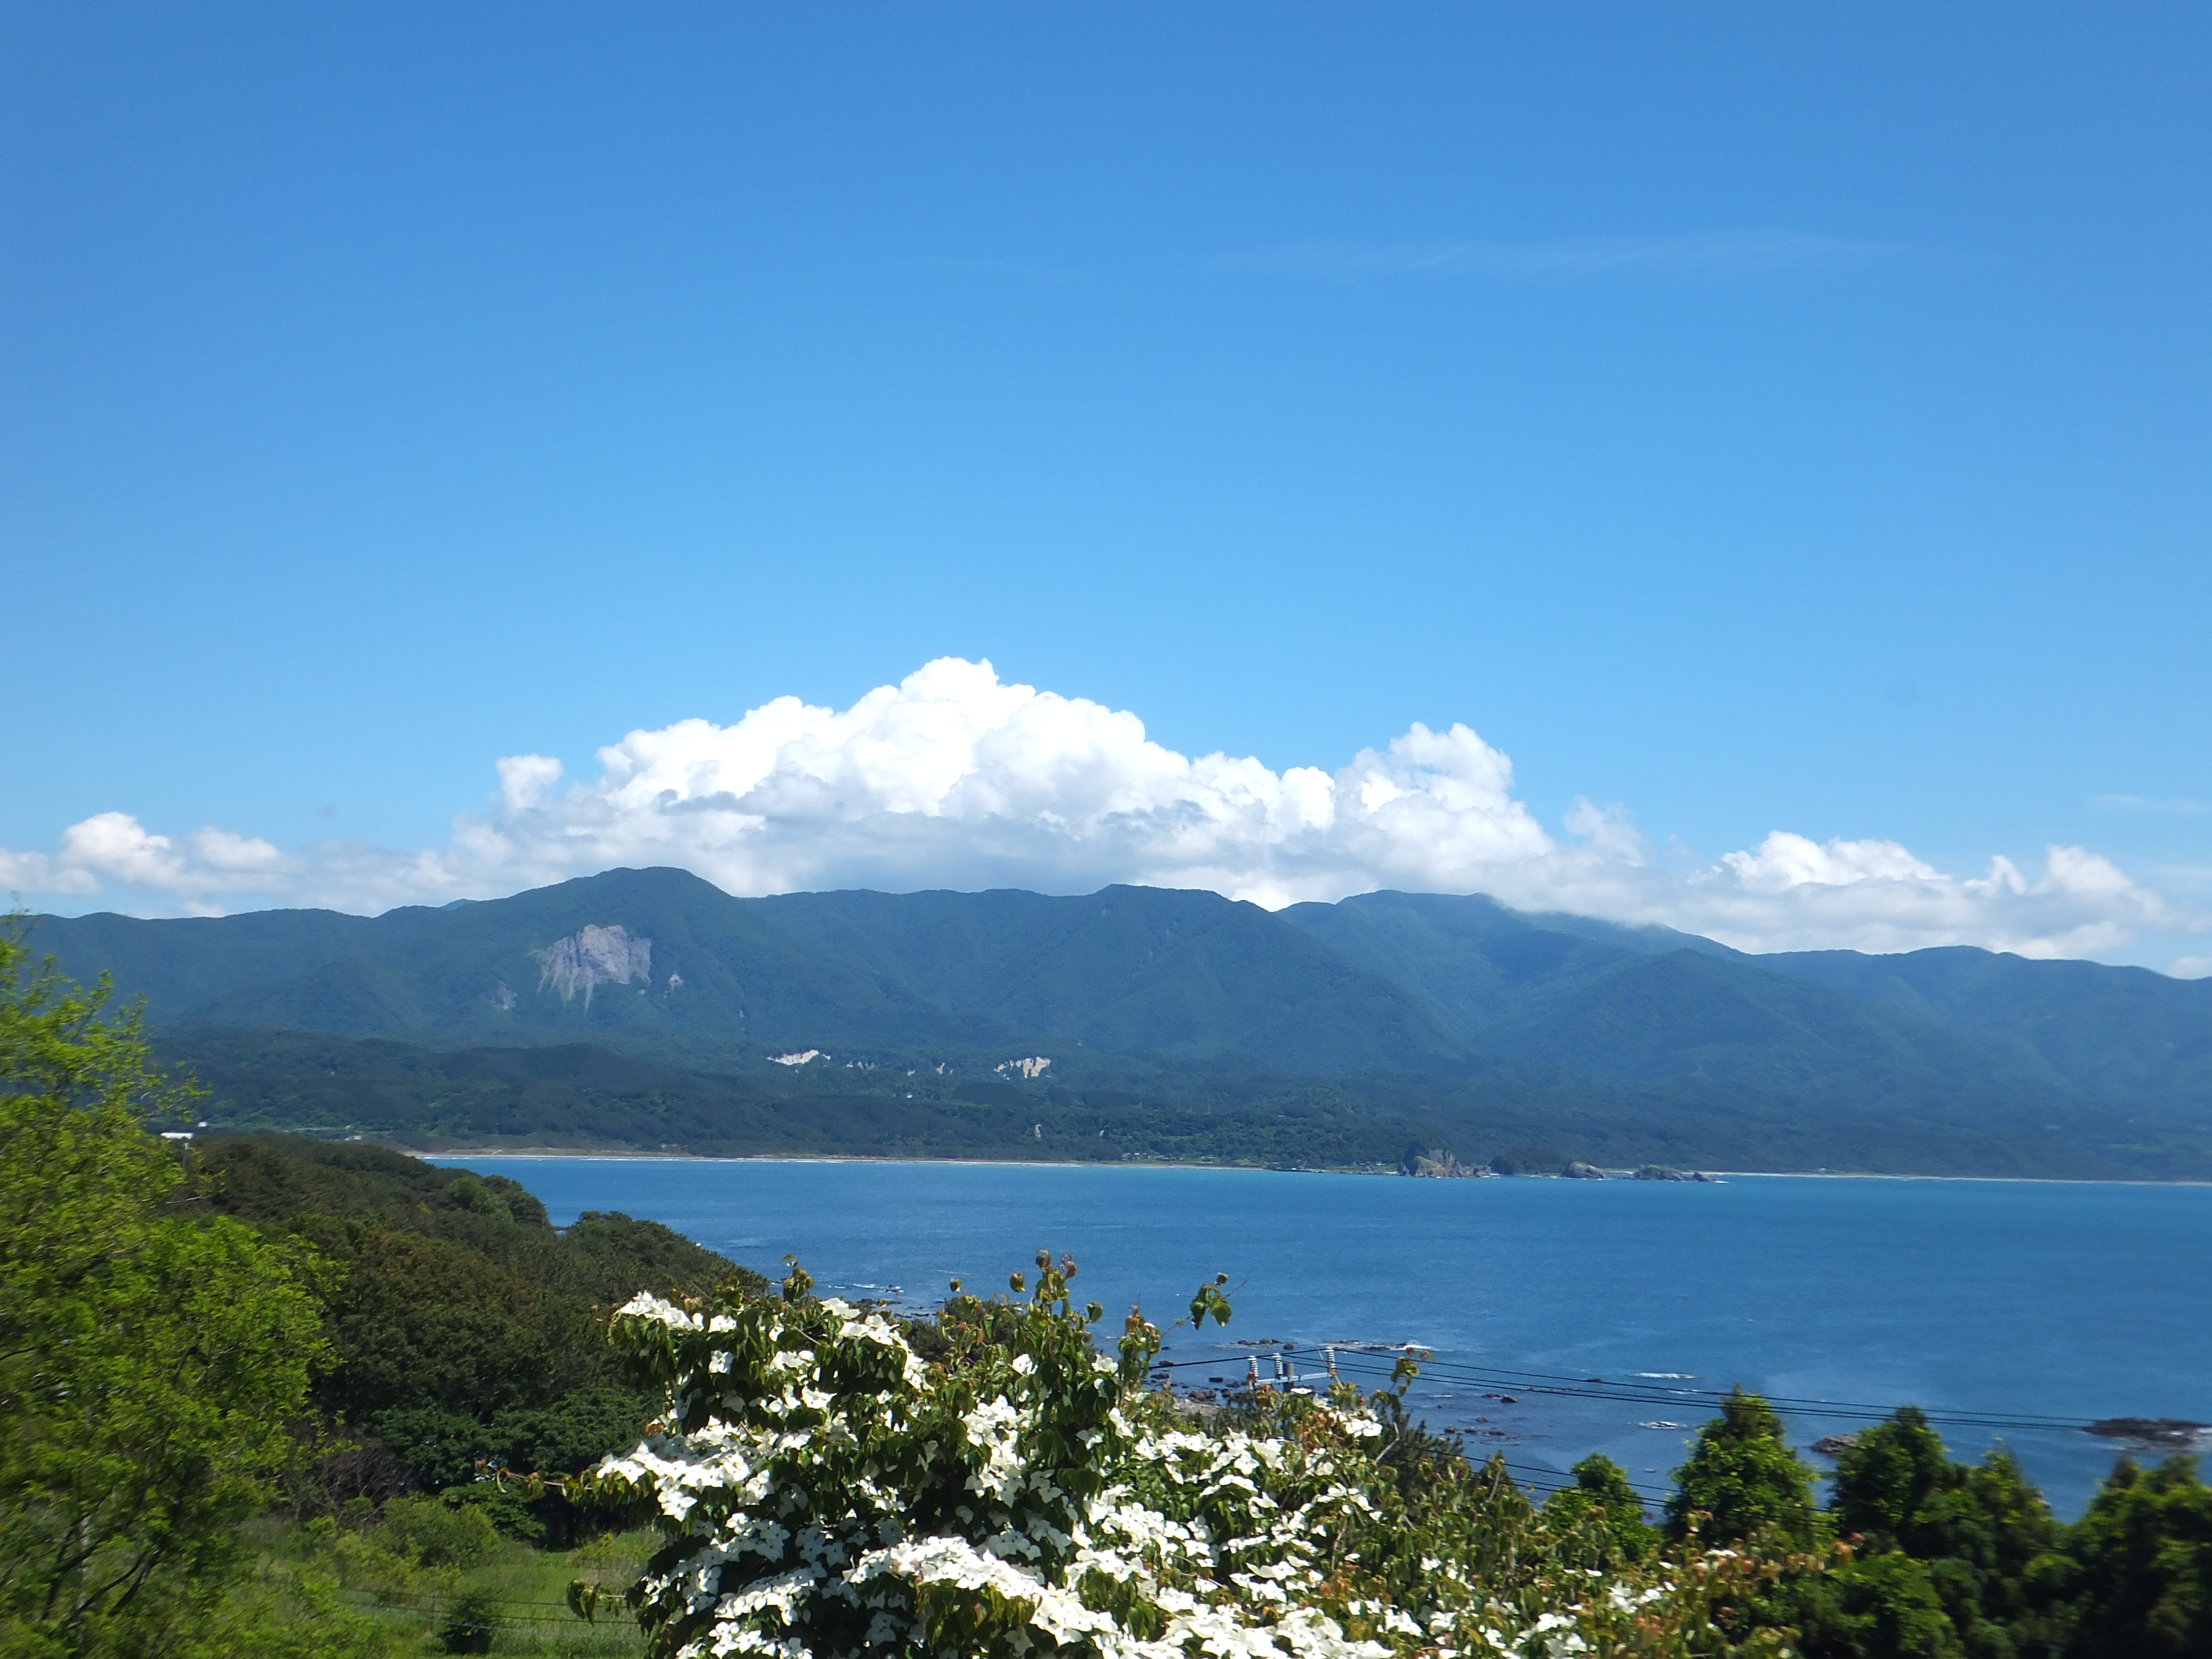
[468, 1623]
[367, 1567]
[435, 1534]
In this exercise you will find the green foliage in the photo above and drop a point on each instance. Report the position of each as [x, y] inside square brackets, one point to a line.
[151, 1362]
[434, 1533]
[1888, 1485]
[445, 1448]
[1982, 1535]
[420, 1321]
[1882, 1607]
[399, 1604]
[2144, 1589]
[469, 1623]
[1602, 1496]
[1742, 1480]
[467, 1331]
[452, 1452]
[286, 1610]
[365, 1566]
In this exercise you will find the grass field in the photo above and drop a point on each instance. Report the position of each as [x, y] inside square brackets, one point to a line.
[524, 1589]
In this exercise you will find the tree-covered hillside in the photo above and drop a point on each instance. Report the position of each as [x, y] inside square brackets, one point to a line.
[582, 1096]
[462, 1325]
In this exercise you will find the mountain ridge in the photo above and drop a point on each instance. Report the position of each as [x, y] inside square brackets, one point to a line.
[1446, 1004]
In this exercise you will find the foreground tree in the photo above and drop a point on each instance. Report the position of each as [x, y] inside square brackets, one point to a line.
[1743, 1481]
[2143, 1580]
[825, 1491]
[1601, 1494]
[1976, 1545]
[151, 1363]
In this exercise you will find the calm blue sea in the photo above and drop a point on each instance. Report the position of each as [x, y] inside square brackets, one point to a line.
[2056, 1300]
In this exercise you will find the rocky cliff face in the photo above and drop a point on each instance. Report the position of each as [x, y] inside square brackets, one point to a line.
[593, 957]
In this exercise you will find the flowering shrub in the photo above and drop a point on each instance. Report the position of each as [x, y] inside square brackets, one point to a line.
[827, 1490]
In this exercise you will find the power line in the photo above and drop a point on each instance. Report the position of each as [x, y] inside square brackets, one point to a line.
[1643, 1390]
[1371, 1363]
[1709, 1399]
[1632, 1394]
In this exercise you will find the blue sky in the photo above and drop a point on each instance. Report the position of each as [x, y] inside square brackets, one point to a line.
[1753, 418]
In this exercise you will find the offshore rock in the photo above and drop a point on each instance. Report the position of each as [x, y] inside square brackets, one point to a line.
[2152, 1433]
[1579, 1170]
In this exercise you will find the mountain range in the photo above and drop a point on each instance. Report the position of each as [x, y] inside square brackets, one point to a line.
[649, 1007]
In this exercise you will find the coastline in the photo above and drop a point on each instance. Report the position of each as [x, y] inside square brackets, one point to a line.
[588, 1154]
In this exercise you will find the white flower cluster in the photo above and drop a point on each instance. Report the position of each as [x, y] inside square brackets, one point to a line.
[834, 1495]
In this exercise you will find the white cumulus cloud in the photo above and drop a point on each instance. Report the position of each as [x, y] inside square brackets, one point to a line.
[953, 778]
[115, 847]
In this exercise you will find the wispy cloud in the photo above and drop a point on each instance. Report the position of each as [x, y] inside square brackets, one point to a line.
[1723, 254]
[952, 778]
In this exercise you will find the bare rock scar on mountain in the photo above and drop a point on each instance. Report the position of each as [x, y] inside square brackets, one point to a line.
[593, 957]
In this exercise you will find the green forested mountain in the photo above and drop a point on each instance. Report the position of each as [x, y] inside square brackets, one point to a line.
[2123, 1035]
[1647, 1007]
[701, 975]
[647, 1006]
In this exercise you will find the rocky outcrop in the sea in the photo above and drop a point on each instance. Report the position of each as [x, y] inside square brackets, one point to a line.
[1579, 1170]
[2154, 1433]
[1420, 1161]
